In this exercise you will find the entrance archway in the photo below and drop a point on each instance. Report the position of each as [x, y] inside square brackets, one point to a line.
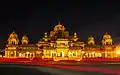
[61, 54]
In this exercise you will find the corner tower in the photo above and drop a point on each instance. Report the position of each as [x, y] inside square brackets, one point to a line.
[91, 40]
[13, 39]
[24, 40]
[107, 39]
[11, 49]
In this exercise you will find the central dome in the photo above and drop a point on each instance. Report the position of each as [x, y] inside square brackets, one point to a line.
[59, 27]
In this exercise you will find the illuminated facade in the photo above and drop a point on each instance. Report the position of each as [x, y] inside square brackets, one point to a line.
[15, 50]
[59, 45]
[106, 50]
[91, 50]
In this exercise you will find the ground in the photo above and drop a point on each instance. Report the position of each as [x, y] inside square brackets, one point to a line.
[14, 70]
[20, 69]
[40, 67]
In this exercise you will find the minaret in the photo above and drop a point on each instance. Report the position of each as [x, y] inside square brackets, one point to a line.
[24, 40]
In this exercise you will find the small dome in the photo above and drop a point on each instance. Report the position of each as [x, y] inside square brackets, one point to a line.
[107, 36]
[91, 38]
[24, 37]
[58, 26]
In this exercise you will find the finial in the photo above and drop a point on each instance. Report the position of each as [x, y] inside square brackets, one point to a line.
[106, 33]
[59, 23]
[75, 34]
[45, 34]
[13, 31]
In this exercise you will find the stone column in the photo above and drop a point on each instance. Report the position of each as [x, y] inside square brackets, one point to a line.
[33, 55]
[8, 54]
[15, 54]
[62, 54]
[106, 54]
[27, 54]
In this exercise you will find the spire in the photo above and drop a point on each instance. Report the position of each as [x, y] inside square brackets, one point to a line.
[59, 23]
[45, 34]
[13, 31]
[75, 34]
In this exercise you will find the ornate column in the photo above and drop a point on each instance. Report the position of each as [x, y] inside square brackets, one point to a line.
[8, 53]
[15, 54]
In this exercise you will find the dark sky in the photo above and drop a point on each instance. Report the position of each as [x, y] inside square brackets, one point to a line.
[36, 17]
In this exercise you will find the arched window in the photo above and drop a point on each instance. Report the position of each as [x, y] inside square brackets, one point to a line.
[74, 54]
[12, 54]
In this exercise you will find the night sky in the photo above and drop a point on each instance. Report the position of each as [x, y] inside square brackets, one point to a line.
[36, 17]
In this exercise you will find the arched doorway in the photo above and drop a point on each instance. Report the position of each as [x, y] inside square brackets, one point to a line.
[61, 54]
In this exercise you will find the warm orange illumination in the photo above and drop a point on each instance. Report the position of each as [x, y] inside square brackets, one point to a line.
[118, 52]
[59, 45]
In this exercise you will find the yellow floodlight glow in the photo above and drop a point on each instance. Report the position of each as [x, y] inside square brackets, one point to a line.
[117, 50]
